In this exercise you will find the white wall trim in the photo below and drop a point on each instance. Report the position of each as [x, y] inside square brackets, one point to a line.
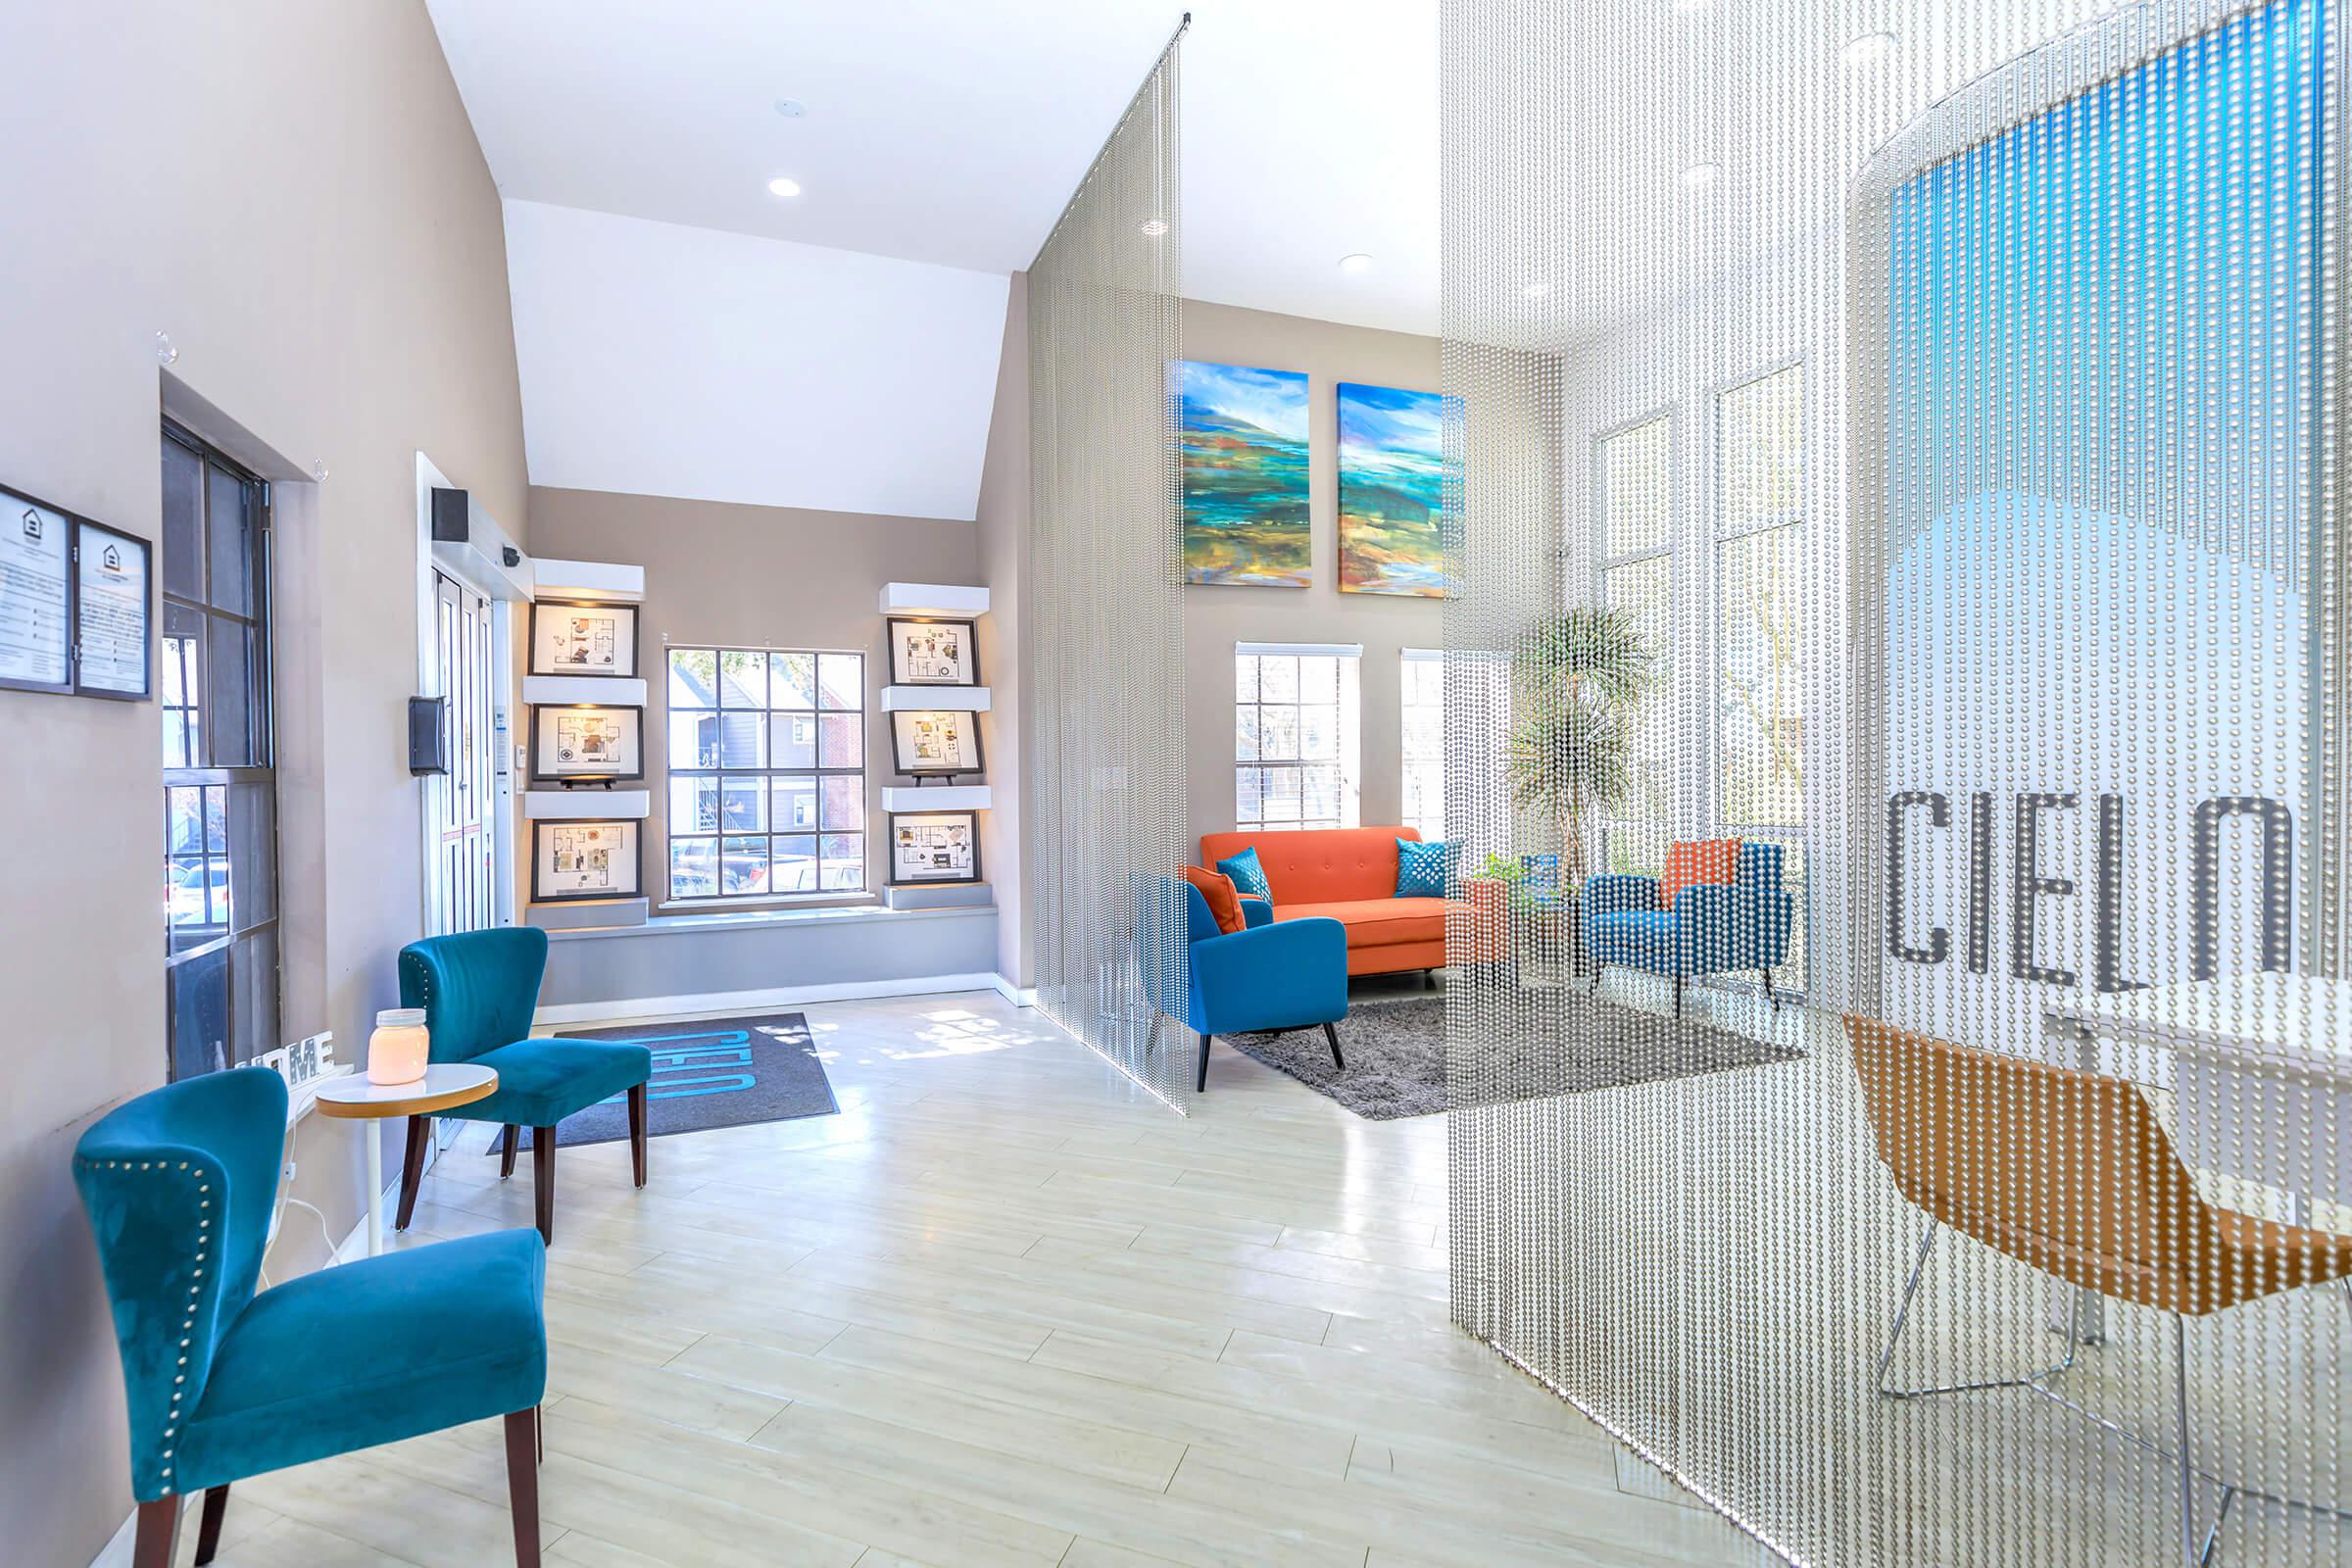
[1018, 996]
[633, 1009]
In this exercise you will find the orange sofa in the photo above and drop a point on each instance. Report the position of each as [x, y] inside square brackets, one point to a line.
[1349, 874]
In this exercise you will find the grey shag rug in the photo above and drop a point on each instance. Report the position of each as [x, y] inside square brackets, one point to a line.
[1395, 1054]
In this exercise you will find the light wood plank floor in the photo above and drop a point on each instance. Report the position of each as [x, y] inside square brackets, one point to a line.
[1001, 1309]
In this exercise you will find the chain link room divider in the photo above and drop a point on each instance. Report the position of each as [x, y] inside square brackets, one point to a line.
[1898, 661]
[1104, 807]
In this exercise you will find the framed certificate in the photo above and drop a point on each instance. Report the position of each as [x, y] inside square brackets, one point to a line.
[933, 652]
[934, 847]
[586, 860]
[570, 744]
[36, 601]
[584, 639]
[946, 741]
[113, 613]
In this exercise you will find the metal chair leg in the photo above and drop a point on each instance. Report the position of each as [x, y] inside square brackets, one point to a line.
[1902, 1315]
[1333, 1035]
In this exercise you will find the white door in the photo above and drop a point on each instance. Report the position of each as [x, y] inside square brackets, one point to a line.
[461, 804]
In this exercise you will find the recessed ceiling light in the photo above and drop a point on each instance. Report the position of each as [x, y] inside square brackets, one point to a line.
[1699, 174]
[1156, 226]
[784, 185]
[1867, 49]
[1535, 291]
[792, 109]
[1356, 262]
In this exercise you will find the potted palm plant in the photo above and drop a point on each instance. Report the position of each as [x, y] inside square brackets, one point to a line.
[1576, 678]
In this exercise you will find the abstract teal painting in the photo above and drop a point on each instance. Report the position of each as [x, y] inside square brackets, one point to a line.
[1391, 466]
[1244, 443]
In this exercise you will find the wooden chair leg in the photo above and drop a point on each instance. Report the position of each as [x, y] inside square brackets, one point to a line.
[506, 1151]
[543, 1181]
[637, 1132]
[412, 1170]
[207, 1525]
[1333, 1035]
[522, 1471]
[158, 1533]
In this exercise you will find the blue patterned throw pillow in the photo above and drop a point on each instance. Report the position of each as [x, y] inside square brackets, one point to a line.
[1421, 868]
[1249, 877]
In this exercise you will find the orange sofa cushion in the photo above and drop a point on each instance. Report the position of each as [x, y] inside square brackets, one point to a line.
[1377, 922]
[1318, 866]
[1712, 860]
[1224, 900]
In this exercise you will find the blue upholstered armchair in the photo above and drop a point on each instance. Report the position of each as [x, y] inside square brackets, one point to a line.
[1266, 978]
[1713, 927]
[478, 989]
[225, 1383]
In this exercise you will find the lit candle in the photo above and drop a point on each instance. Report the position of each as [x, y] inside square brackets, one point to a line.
[397, 1050]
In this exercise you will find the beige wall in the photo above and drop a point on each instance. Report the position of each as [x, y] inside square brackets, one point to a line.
[292, 191]
[716, 573]
[1217, 618]
[1004, 538]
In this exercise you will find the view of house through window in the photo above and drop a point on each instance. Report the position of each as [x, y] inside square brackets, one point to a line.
[766, 755]
[220, 948]
[1294, 742]
[1421, 687]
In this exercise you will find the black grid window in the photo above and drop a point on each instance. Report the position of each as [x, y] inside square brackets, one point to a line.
[766, 761]
[219, 785]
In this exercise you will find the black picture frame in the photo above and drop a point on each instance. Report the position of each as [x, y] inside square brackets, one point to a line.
[15, 506]
[971, 643]
[543, 712]
[109, 538]
[898, 747]
[633, 834]
[969, 820]
[531, 663]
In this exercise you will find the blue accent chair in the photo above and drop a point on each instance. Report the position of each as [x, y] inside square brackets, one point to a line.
[478, 989]
[224, 1381]
[1269, 977]
[1712, 928]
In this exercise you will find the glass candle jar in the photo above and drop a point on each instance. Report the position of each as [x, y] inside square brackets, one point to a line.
[397, 1050]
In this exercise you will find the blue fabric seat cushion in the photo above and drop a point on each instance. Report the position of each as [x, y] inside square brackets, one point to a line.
[1421, 868]
[371, 1352]
[1635, 936]
[540, 1082]
[1249, 877]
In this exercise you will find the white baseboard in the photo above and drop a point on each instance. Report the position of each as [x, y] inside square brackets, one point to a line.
[116, 1554]
[1018, 996]
[631, 1009]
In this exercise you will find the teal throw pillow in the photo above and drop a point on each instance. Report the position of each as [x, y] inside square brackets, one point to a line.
[1421, 868]
[1249, 877]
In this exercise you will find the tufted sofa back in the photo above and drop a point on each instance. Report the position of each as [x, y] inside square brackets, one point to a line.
[1318, 866]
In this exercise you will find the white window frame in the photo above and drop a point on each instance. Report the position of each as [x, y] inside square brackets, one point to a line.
[1429, 823]
[1348, 724]
[1665, 697]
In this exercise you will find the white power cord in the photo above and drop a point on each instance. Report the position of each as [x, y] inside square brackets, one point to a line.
[286, 1200]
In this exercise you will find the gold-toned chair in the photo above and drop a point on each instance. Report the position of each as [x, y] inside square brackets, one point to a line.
[2071, 1174]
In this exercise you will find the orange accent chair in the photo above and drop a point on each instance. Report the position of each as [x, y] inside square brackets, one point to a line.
[1349, 874]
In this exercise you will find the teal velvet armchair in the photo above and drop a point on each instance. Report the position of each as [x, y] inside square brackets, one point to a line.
[224, 1381]
[478, 989]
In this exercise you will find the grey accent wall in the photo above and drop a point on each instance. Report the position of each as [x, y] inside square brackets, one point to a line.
[1003, 526]
[1217, 618]
[718, 572]
[705, 956]
[293, 192]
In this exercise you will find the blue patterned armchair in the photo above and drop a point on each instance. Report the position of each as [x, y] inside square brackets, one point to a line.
[1713, 928]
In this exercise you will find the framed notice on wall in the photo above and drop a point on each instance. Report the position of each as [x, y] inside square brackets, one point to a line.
[112, 613]
[585, 860]
[36, 606]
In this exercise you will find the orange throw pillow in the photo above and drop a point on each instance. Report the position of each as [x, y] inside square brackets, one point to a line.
[1224, 902]
[1715, 860]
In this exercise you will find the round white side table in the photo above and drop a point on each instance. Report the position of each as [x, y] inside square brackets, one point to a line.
[444, 1085]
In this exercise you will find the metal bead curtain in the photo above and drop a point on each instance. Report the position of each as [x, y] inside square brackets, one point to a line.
[1902, 439]
[1104, 629]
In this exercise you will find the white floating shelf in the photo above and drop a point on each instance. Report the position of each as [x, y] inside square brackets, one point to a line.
[933, 599]
[606, 690]
[935, 699]
[937, 797]
[585, 806]
[594, 581]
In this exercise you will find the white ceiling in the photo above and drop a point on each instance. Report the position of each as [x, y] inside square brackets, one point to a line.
[952, 131]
